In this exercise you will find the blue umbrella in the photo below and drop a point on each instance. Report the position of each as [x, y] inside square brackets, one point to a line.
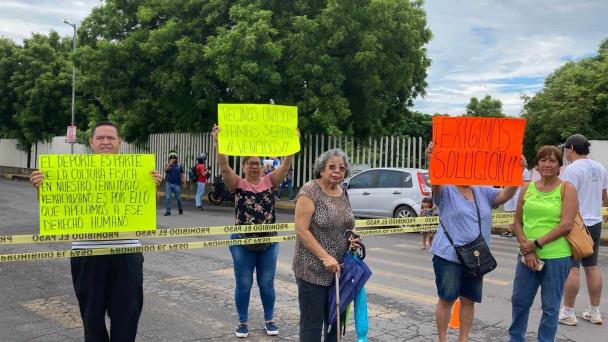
[353, 275]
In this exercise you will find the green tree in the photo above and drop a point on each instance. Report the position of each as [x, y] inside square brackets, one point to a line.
[41, 85]
[351, 66]
[487, 107]
[8, 64]
[574, 99]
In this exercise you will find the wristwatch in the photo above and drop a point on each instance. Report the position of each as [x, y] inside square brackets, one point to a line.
[538, 245]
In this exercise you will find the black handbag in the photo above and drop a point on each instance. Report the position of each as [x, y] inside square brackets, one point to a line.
[475, 256]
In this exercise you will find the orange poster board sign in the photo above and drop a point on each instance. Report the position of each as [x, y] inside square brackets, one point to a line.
[477, 151]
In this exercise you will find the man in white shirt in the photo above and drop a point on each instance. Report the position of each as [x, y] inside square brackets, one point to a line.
[590, 179]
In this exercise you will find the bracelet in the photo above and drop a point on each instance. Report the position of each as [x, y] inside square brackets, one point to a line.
[537, 244]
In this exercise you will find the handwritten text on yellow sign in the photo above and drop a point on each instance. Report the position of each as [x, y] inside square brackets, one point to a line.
[96, 193]
[258, 130]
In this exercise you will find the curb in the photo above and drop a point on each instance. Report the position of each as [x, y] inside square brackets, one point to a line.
[16, 177]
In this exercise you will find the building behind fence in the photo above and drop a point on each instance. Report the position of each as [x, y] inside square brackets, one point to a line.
[389, 151]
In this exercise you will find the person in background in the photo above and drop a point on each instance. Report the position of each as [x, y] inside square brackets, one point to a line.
[427, 209]
[276, 162]
[591, 182]
[175, 178]
[545, 214]
[109, 285]
[253, 204]
[287, 183]
[323, 214]
[201, 179]
[463, 210]
[511, 204]
[267, 169]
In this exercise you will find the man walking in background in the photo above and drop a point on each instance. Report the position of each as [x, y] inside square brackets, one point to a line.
[591, 182]
[175, 178]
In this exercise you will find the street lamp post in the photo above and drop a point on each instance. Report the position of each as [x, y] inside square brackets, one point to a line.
[73, 76]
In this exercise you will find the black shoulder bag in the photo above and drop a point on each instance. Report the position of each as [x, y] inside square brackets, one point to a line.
[475, 255]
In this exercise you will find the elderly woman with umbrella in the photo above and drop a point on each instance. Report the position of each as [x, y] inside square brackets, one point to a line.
[322, 216]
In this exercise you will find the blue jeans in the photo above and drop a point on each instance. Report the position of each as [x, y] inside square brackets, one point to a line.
[173, 189]
[200, 192]
[265, 265]
[286, 184]
[551, 281]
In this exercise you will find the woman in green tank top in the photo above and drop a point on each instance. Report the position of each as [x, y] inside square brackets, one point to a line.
[545, 214]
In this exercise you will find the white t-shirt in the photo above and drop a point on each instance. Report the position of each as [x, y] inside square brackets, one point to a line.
[511, 204]
[589, 178]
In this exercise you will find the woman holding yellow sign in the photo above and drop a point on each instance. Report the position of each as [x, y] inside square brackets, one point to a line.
[254, 204]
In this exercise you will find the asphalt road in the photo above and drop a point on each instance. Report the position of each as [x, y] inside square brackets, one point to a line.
[189, 294]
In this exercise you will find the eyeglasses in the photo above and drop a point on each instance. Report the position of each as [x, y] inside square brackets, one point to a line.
[334, 168]
[253, 163]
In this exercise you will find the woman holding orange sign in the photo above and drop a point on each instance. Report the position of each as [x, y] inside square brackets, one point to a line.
[465, 216]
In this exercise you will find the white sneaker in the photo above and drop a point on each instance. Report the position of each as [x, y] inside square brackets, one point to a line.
[565, 319]
[595, 318]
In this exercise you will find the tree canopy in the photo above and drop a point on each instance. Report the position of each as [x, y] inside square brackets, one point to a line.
[487, 107]
[351, 66]
[574, 99]
[36, 88]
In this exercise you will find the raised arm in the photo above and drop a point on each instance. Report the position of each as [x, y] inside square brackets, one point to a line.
[278, 175]
[509, 191]
[435, 189]
[230, 177]
[304, 211]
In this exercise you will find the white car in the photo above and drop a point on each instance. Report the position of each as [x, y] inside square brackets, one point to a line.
[388, 192]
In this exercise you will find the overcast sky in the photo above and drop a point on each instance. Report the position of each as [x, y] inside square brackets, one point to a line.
[504, 48]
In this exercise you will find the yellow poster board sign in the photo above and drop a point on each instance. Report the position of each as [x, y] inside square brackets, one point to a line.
[258, 130]
[96, 193]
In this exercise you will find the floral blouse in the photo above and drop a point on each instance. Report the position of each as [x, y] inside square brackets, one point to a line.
[254, 203]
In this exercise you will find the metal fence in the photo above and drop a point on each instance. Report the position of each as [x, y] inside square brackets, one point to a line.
[389, 151]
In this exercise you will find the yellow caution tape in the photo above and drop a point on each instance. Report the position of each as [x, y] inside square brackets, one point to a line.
[498, 218]
[400, 225]
[165, 247]
[168, 247]
[147, 234]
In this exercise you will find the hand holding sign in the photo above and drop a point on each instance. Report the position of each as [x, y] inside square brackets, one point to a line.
[476, 151]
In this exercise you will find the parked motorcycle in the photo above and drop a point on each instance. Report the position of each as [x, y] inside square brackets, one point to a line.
[220, 192]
